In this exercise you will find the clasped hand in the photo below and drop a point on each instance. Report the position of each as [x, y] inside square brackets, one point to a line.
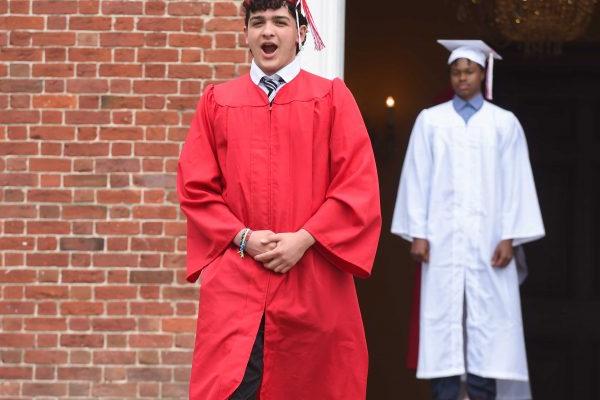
[279, 252]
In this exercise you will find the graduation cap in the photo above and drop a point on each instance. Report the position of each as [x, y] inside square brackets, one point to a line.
[302, 6]
[477, 51]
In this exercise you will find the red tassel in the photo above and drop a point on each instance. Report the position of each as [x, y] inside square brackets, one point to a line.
[319, 45]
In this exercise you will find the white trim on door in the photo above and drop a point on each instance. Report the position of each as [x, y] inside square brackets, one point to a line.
[330, 18]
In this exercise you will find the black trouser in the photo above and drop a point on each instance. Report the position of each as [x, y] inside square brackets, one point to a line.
[478, 388]
[248, 389]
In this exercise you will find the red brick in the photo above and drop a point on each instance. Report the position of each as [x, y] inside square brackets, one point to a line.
[53, 38]
[190, 40]
[44, 389]
[49, 165]
[81, 308]
[154, 181]
[155, 87]
[20, 54]
[46, 357]
[121, 70]
[84, 212]
[86, 118]
[177, 357]
[87, 86]
[16, 307]
[82, 276]
[45, 324]
[53, 70]
[123, 24]
[49, 196]
[150, 308]
[153, 244]
[15, 227]
[48, 211]
[18, 22]
[179, 325]
[90, 23]
[115, 260]
[81, 244]
[48, 227]
[54, 7]
[16, 340]
[54, 101]
[113, 324]
[115, 292]
[89, 6]
[70, 340]
[193, 25]
[19, 117]
[79, 373]
[121, 150]
[151, 374]
[16, 243]
[46, 292]
[14, 211]
[119, 196]
[47, 260]
[157, 118]
[157, 55]
[225, 9]
[16, 372]
[21, 86]
[120, 39]
[46, 244]
[122, 7]
[85, 180]
[18, 148]
[16, 276]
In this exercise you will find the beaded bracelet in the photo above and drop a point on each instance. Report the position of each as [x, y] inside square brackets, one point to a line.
[244, 241]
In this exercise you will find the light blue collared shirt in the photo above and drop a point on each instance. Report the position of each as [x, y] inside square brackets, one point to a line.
[467, 108]
[287, 73]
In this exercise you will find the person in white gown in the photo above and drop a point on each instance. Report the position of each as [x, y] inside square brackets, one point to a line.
[466, 197]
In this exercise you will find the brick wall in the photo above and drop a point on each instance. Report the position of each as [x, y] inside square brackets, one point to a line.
[95, 100]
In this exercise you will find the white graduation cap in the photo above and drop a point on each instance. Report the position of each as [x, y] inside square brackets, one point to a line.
[477, 51]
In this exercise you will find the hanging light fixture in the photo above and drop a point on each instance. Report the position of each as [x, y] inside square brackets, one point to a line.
[542, 26]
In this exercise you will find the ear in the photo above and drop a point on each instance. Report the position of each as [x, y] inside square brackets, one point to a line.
[303, 32]
[246, 34]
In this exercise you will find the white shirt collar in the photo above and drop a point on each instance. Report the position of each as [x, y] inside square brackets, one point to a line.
[288, 72]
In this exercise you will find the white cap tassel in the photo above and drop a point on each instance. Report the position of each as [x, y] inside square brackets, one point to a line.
[300, 45]
[489, 79]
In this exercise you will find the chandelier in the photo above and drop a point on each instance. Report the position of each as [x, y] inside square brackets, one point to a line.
[542, 26]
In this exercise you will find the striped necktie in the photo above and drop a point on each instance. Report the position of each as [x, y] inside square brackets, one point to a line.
[271, 85]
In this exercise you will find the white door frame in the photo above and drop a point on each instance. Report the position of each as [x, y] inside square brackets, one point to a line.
[330, 18]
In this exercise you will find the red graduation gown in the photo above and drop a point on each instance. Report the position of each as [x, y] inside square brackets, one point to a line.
[303, 162]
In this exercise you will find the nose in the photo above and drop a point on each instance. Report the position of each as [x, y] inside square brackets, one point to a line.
[267, 31]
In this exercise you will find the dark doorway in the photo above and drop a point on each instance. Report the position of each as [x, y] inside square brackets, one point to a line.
[391, 50]
[558, 104]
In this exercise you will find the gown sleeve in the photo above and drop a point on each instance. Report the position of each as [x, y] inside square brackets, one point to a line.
[412, 202]
[347, 225]
[521, 216]
[211, 226]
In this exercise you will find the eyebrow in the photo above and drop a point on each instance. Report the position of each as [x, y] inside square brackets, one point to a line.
[277, 18]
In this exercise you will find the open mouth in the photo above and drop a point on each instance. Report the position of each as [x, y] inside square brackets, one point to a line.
[269, 48]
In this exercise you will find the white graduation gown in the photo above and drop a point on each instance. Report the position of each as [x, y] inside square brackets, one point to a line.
[465, 187]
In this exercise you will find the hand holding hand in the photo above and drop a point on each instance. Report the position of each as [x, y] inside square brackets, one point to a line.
[290, 247]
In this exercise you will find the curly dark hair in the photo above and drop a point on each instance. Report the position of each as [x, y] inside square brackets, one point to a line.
[261, 5]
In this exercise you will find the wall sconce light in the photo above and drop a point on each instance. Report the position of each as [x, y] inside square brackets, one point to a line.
[390, 102]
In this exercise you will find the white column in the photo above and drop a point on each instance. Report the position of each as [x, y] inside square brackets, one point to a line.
[330, 18]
